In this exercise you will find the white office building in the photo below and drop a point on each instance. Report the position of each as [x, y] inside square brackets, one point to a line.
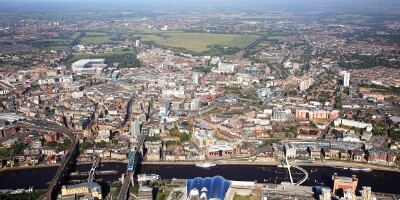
[346, 79]
[195, 78]
[137, 43]
[135, 128]
[224, 68]
[194, 104]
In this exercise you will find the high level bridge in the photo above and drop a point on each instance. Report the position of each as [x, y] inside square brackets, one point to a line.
[133, 162]
[69, 157]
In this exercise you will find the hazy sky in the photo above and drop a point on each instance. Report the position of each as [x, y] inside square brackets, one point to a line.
[190, 4]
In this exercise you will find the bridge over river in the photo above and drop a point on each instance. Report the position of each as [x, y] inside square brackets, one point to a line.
[133, 162]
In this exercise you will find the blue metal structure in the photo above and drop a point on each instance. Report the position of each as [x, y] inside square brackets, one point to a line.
[132, 161]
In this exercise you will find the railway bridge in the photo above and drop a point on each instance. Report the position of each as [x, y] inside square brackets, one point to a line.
[69, 158]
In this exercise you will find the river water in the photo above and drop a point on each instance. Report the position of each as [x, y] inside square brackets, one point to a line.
[380, 181]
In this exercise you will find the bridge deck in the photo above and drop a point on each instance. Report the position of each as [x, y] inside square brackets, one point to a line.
[92, 172]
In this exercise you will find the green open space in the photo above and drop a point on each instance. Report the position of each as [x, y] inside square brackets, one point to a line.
[198, 42]
[126, 57]
[57, 48]
[193, 42]
[275, 37]
[88, 33]
[56, 44]
[115, 52]
[75, 35]
[95, 40]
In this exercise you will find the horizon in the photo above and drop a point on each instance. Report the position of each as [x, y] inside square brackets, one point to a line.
[193, 5]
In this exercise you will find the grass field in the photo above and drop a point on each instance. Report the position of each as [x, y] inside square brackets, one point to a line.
[99, 55]
[57, 48]
[198, 42]
[87, 40]
[75, 35]
[195, 42]
[55, 44]
[96, 33]
[262, 45]
[53, 40]
[276, 37]
[119, 51]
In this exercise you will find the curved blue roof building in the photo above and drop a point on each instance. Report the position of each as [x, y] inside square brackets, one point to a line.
[213, 187]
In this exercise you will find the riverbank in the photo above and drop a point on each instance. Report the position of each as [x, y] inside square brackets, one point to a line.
[272, 163]
[353, 164]
[28, 167]
[332, 163]
[229, 162]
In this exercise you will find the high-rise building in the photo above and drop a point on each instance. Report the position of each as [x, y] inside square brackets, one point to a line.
[137, 43]
[224, 68]
[135, 128]
[305, 84]
[164, 110]
[195, 78]
[346, 79]
[194, 104]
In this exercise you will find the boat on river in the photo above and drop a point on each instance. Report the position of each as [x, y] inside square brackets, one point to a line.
[361, 169]
[205, 164]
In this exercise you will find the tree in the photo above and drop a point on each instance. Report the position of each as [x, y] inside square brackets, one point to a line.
[185, 123]
[312, 124]
[102, 144]
[67, 143]
[51, 144]
[174, 132]
[86, 145]
[338, 105]
[184, 137]
[378, 130]
[17, 148]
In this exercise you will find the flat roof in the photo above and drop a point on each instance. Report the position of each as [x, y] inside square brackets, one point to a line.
[11, 117]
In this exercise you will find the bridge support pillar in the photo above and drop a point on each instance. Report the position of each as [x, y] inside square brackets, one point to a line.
[122, 178]
[132, 180]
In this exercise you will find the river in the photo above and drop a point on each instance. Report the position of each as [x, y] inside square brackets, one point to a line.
[380, 181]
